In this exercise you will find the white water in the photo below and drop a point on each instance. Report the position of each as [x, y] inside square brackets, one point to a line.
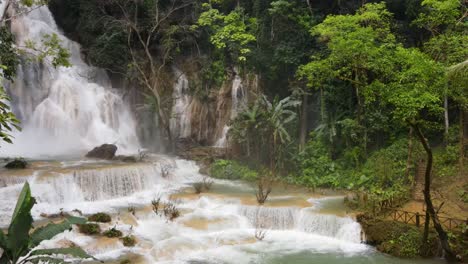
[238, 102]
[180, 122]
[64, 111]
[225, 233]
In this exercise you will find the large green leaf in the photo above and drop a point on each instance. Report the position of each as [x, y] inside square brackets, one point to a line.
[21, 223]
[72, 251]
[3, 240]
[52, 229]
[48, 260]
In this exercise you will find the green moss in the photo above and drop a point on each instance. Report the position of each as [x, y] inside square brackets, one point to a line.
[129, 241]
[232, 170]
[89, 229]
[112, 233]
[100, 218]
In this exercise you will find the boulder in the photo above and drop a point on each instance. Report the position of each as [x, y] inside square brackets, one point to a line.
[17, 164]
[105, 151]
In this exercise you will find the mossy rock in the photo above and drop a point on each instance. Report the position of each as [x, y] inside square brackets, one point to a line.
[19, 163]
[113, 233]
[129, 241]
[89, 229]
[100, 218]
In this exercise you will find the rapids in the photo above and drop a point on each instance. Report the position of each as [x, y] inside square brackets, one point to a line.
[218, 226]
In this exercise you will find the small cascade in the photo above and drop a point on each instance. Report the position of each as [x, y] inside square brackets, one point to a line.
[305, 220]
[343, 228]
[271, 217]
[238, 102]
[103, 184]
[64, 111]
[180, 122]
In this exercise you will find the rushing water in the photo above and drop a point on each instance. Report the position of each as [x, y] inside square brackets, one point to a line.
[63, 110]
[214, 227]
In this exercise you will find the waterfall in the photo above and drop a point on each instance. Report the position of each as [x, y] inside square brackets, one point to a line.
[63, 111]
[305, 220]
[180, 122]
[238, 102]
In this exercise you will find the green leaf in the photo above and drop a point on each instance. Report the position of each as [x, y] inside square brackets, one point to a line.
[52, 229]
[72, 251]
[3, 240]
[18, 232]
[47, 260]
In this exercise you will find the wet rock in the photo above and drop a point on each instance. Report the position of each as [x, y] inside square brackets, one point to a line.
[105, 151]
[17, 164]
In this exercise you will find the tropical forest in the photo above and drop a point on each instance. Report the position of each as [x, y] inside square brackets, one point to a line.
[233, 131]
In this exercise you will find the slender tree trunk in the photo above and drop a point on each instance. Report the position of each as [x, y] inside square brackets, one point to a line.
[303, 129]
[410, 152]
[449, 255]
[446, 119]
[462, 141]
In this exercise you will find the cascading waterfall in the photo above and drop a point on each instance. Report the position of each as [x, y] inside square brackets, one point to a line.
[180, 122]
[306, 220]
[64, 111]
[239, 100]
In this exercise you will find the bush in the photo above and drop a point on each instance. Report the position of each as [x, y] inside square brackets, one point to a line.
[113, 233]
[100, 218]
[89, 229]
[232, 170]
[129, 241]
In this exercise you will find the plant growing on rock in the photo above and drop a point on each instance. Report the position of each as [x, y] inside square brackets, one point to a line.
[89, 229]
[129, 241]
[19, 243]
[100, 218]
[170, 211]
[155, 204]
[264, 188]
[113, 232]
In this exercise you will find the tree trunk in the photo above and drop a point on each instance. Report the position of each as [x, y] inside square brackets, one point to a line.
[303, 129]
[449, 255]
[410, 152]
[446, 119]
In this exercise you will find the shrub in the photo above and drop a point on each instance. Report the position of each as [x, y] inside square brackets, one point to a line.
[129, 241]
[89, 229]
[232, 170]
[170, 211]
[155, 205]
[264, 188]
[113, 232]
[100, 218]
